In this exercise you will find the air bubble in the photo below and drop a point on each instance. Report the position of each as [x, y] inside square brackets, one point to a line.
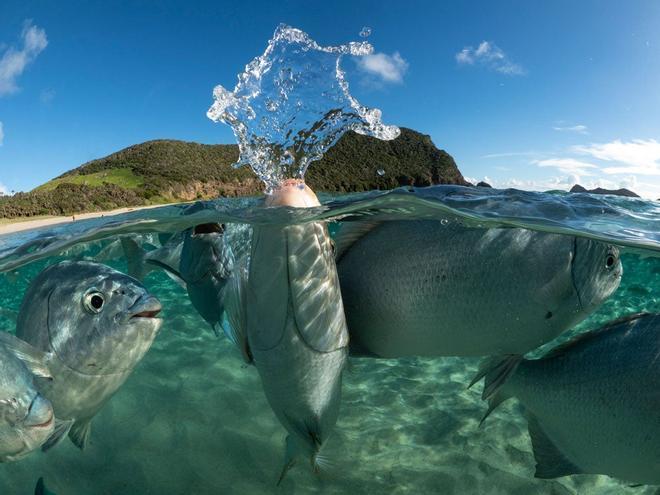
[366, 32]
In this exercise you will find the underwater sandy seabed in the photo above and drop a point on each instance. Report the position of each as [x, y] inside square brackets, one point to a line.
[192, 419]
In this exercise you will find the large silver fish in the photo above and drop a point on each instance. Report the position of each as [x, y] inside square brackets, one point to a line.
[434, 288]
[593, 404]
[98, 324]
[294, 326]
[26, 416]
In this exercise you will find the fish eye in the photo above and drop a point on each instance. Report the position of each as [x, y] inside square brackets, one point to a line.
[610, 260]
[94, 301]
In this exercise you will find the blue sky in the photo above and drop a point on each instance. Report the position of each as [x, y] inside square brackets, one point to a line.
[528, 94]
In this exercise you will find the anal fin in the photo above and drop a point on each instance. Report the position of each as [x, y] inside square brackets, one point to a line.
[550, 461]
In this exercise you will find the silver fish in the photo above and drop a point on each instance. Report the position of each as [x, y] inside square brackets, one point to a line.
[98, 324]
[26, 416]
[433, 288]
[295, 327]
[206, 264]
[593, 403]
[202, 263]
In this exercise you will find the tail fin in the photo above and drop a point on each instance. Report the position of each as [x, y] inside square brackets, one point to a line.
[496, 370]
[320, 463]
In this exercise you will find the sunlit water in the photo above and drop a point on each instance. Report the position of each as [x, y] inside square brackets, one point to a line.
[193, 418]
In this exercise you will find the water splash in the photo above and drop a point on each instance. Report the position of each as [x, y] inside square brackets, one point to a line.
[291, 104]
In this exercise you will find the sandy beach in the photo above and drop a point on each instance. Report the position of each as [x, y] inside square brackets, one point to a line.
[11, 225]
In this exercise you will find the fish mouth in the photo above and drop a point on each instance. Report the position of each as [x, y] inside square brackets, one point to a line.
[40, 413]
[45, 424]
[209, 228]
[146, 307]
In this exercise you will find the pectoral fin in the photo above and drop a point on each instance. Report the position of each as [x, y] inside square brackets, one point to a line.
[79, 433]
[169, 271]
[61, 429]
[34, 359]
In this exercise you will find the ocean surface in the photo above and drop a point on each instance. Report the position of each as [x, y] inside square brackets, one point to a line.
[193, 419]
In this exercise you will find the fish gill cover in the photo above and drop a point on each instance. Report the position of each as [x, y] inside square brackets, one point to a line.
[292, 103]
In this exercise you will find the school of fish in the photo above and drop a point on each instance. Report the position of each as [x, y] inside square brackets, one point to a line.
[298, 302]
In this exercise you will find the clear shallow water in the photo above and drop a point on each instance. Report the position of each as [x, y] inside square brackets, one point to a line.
[193, 418]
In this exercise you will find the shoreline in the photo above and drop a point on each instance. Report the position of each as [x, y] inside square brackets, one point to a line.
[21, 224]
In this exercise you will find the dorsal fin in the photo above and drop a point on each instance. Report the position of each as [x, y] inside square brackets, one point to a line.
[585, 337]
[350, 233]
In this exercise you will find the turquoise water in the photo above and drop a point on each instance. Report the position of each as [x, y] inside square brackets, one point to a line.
[192, 418]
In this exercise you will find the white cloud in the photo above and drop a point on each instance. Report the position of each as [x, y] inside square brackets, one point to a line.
[512, 154]
[579, 129]
[2, 134]
[638, 156]
[488, 54]
[546, 184]
[568, 165]
[14, 61]
[633, 165]
[644, 188]
[390, 68]
[3, 189]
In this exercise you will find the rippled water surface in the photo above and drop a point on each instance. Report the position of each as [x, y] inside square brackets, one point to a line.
[193, 418]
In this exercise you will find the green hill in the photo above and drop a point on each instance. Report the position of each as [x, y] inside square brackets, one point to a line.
[167, 170]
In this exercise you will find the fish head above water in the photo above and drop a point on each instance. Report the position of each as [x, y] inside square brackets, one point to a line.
[26, 417]
[596, 271]
[293, 192]
[97, 321]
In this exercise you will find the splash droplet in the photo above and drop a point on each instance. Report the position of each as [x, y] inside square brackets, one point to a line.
[366, 32]
[444, 221]
[380, 172]
[292, 103]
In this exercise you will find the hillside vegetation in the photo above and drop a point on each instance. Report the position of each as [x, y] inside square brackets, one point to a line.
[167, 171]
